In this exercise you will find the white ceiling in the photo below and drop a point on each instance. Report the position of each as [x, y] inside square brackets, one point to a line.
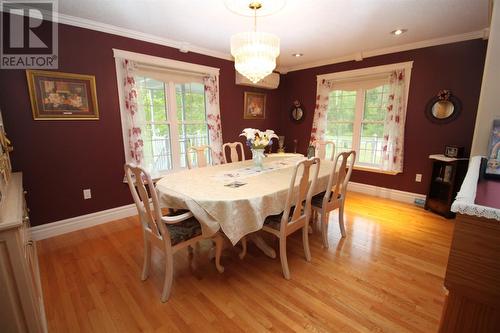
[321, 29]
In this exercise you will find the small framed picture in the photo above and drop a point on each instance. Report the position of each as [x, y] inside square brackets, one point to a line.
[255, 106]
[493, 164]
[62, 96]
[454, 151]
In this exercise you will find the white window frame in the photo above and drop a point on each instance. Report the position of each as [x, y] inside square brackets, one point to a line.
[184, 68]
[363, 75]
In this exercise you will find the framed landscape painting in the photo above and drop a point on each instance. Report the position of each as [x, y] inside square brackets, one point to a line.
[62, 96]
[255, 106]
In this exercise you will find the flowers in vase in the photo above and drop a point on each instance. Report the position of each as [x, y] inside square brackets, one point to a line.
[257, 139]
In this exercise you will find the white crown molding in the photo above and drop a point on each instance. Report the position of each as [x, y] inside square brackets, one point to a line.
[81, 222]
[393, 49]
[129, 33]
[387, 193]
[187, 47]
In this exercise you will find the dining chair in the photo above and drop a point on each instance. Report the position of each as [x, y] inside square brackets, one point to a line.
[321, 148]
[171, 232]
[233, 152]
[201, 156]
[297, 210]
[334, 198]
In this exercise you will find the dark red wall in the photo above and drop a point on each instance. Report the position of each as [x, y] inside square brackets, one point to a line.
[458, 67]
[61, 158]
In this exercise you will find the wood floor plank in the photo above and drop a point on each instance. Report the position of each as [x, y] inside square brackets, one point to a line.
[386, 276]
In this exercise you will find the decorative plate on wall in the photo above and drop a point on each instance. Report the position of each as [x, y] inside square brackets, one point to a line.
[297, 113]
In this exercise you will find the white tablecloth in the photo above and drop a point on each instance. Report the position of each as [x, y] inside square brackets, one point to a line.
[237, 211]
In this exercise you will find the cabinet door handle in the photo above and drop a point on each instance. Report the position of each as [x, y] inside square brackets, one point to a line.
[30, 242]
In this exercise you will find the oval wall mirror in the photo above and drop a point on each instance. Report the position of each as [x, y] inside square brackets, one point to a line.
[443, 108]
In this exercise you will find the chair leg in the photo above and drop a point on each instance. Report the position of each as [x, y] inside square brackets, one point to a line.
[169, 275]
[219, 242]
[243, 252]
[341, 220]
[284, 260]
[324, 228]
[147, 256]
[317, 221]
[305, 241]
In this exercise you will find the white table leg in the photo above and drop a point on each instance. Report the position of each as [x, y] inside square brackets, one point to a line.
[262, 245]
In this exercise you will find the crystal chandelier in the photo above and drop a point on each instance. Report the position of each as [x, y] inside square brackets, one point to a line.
[255, 52]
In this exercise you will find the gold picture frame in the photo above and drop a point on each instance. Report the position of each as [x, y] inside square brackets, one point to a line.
[254, 106]
[62, 96]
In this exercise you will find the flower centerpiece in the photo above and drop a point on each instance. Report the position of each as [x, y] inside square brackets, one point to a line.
[257, 141]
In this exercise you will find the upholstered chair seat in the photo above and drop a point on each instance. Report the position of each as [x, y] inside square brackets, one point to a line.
[184, 230]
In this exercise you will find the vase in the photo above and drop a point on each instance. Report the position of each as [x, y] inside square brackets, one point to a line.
[258, 158]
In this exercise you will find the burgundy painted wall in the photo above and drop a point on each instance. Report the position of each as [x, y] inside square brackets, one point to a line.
[458, 67]
[60, 158]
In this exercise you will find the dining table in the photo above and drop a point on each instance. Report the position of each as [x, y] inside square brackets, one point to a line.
[237, 197]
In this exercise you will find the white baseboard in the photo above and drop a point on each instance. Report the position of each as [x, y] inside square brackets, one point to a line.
[386, 193]
[85, 221]
[81, 222]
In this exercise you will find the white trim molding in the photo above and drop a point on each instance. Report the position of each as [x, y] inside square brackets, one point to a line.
[386, 193]
[89, 220]
[185, 47]
[358, 56]
[165, 62]
[82, 222]
[182, 46]
[366, 72]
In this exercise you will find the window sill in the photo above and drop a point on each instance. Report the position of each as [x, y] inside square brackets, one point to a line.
[375, 170]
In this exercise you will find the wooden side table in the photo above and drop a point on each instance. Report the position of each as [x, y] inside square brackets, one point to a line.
[447, 176]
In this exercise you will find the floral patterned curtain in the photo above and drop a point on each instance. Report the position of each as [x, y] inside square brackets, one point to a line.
[133, 130]
[319, 123]
[211, 83]
[394, 124]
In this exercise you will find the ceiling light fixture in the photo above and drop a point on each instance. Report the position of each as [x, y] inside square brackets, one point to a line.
[398, 32]
[255, 52]
[297, 55]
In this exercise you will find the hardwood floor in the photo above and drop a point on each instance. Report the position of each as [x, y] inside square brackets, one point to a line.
[386, 276]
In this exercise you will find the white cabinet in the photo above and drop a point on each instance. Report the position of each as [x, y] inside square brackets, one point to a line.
[21, 298]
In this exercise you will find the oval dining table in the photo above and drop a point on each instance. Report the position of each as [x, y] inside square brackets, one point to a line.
[236, 197]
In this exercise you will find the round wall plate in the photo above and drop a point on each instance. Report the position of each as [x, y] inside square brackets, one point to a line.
[241, 7]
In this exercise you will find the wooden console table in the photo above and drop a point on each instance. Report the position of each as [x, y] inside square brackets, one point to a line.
[447, 175]
[473, 272]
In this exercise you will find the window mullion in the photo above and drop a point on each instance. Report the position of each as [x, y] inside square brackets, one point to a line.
[358, 117]
[174, 130]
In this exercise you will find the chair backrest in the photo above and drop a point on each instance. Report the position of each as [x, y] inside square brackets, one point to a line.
[149, 212]
[321, 148]
[201, 156]
[299, 197]
[233, 152]
[344, 163]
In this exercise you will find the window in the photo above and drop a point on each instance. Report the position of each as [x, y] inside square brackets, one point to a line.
[172, 118]
[164, 111]
[357, 106]
[356, 122]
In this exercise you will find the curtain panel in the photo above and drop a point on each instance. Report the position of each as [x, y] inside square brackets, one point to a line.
[394, 123]
[323, 90]
[211, 83]
[133, 130]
